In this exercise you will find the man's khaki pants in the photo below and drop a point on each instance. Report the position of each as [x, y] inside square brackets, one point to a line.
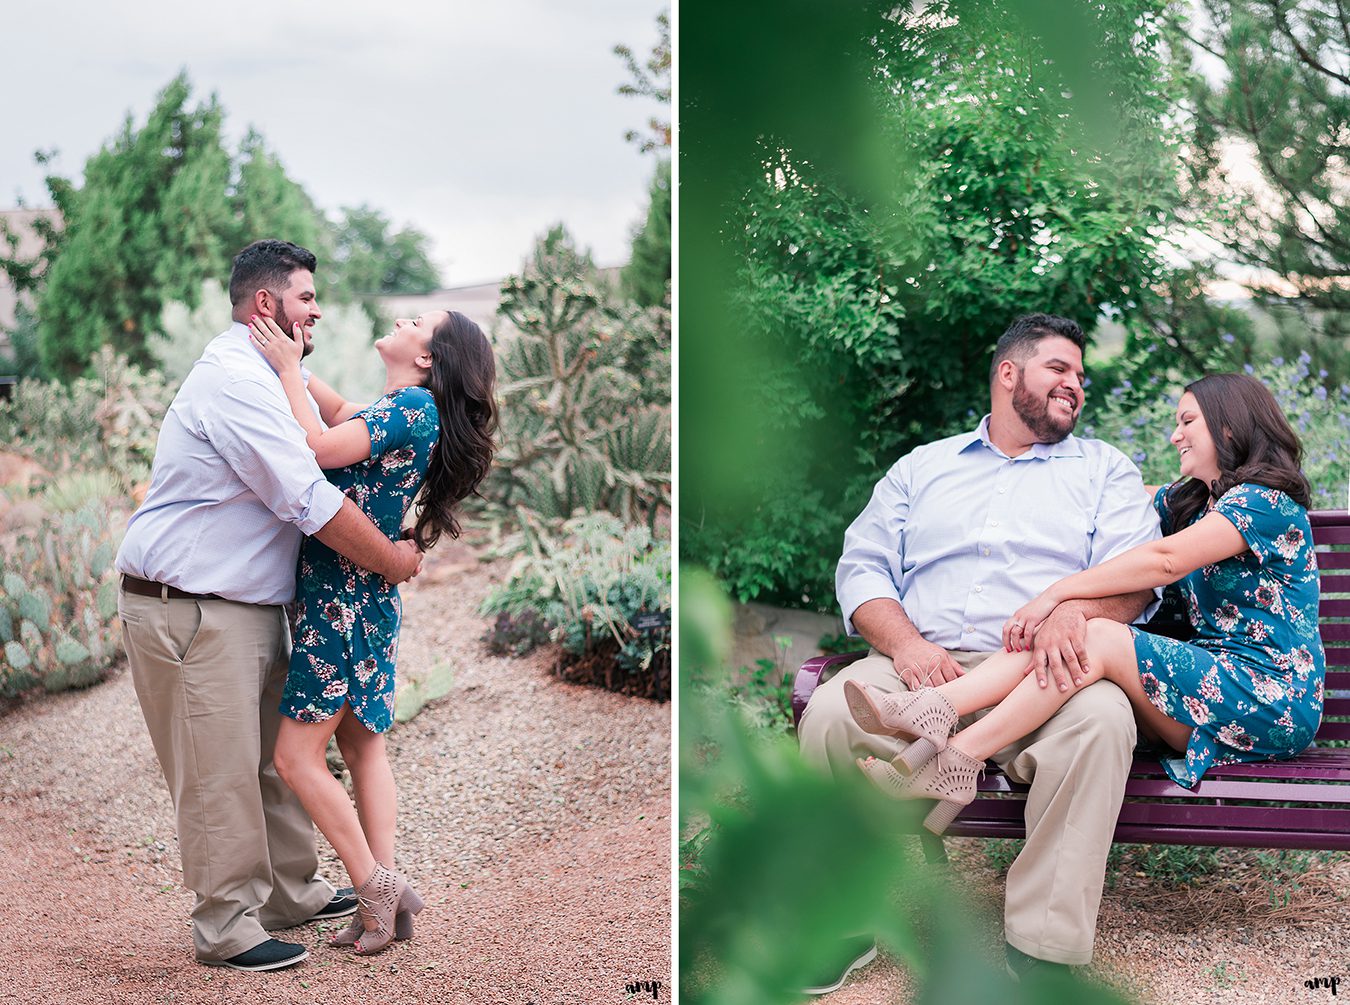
[1076, 765]
[209, 675]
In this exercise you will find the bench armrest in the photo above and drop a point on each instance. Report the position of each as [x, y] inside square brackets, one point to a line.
[813, 671]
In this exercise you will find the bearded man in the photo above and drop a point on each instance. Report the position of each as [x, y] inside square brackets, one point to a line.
[958, 535]
[208, 567]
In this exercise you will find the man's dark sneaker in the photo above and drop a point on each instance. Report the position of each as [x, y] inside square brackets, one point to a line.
[344, 902]
[1022, 967]
[853, 954]
[270, 955]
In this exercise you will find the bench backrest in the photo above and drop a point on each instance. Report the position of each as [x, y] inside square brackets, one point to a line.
[1331, 536]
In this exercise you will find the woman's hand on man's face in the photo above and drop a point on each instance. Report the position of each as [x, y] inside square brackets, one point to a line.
[281, 350]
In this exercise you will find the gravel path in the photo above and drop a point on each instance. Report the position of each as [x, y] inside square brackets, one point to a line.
[1219, 941]
[534, 817]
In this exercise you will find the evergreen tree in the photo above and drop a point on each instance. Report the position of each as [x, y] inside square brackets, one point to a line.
[1284, 99]
[164, 207]
[1270, 110]
[161, 208]
[646, 277]
[268, 203]
[650, 79]
[371, 259]
[144, 228]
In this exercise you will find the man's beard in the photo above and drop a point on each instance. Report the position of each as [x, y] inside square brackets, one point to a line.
[1035, 412]
[284, 322]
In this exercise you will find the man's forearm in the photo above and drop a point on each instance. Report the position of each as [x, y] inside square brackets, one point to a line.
[1123, 607]
[351, 534]
[885, 625]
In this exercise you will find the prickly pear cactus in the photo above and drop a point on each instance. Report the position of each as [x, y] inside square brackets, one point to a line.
[58, 603]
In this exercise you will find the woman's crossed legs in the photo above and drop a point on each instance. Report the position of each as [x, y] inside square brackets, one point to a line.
[1018, 705]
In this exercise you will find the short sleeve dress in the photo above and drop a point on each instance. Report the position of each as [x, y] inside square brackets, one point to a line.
[347, 618]
[1251, 681]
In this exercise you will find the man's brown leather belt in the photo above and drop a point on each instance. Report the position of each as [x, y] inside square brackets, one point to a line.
[145, 588]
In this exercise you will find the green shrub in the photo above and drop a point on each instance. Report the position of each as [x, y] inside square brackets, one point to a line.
[58, 602]
[109, 421]
[592, 585]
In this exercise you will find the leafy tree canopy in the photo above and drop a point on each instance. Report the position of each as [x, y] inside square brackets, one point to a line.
[972, 162]
[370, 258]
[161, 208]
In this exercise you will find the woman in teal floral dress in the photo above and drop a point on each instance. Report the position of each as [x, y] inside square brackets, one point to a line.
[1248, 687]
[428, 437]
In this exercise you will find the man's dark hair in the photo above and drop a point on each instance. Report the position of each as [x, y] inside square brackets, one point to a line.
[1018, 343]
[267, 265]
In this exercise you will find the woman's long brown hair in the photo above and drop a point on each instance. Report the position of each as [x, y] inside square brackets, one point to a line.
[1254, 440]
[461, 380]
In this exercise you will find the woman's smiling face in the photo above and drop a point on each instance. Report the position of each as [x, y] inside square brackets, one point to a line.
[1198, 453]
[410, 341]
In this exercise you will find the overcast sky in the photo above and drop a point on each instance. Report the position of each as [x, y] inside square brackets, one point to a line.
[479, 123]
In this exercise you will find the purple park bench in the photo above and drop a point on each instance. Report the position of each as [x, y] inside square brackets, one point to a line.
[1301, 803]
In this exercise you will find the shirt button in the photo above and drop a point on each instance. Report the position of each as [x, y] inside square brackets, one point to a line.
[970, 629]
[986, 551]
[979, 589]
[1002, 490]
[993, 523]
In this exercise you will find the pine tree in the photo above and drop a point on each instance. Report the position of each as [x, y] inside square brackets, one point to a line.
[646, 277]
[163, 207]
[145, 228]
[1284, 98]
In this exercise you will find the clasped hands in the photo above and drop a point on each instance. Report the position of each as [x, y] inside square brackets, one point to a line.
[1055, 635]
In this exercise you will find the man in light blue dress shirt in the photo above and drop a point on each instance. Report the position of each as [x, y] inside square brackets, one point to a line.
[958, 535]
[207, 563]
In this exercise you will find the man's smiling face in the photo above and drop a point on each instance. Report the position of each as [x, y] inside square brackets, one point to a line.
[298, 303]
[1048, 396]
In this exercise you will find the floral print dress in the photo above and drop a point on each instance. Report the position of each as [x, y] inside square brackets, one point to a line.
[346, 617]
[1251, 681]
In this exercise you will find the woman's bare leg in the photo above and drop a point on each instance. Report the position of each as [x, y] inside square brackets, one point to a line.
[373, 784]
[301, 762]
[1019, 705]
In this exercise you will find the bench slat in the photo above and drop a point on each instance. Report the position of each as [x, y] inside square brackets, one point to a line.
[1325, 783]
[1154, 814]
[1211, 836]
